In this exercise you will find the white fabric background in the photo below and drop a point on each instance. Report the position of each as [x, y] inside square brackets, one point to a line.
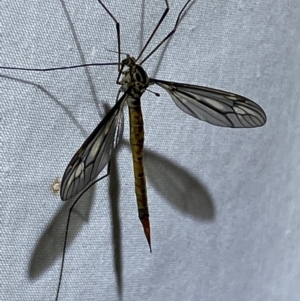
[224, 203]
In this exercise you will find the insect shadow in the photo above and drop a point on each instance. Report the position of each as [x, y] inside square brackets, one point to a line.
[177, 185]
[48, 248]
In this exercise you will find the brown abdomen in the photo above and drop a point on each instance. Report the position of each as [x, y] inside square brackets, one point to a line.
[137, 145]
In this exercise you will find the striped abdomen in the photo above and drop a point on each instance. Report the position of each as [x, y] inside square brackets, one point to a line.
[137, 144]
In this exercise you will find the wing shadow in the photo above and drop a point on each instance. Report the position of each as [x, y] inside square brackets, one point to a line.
[183, 190]
[50, 245]
[179, 187]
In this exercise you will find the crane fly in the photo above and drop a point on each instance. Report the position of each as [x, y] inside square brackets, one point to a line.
[214, 106]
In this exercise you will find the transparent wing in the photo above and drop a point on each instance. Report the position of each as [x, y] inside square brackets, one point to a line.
[215, 106]
[95, 152]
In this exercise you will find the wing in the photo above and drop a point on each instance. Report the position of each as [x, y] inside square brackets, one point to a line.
[95, 152]
[215, 106]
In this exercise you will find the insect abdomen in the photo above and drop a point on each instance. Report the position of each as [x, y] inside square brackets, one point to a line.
[137, 143]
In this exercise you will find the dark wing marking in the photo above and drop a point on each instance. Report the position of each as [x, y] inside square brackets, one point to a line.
[95, 152]
[217, 107]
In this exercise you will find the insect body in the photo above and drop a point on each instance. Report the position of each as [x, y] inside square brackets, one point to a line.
[96, 151]
[136, 81]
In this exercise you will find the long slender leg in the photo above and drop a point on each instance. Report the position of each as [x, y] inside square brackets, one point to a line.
[67, 229]
[59, 68]
[169, 34]
[118, 32]
[155, 29]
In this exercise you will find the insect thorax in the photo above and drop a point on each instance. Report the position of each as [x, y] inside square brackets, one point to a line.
[135, 80]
